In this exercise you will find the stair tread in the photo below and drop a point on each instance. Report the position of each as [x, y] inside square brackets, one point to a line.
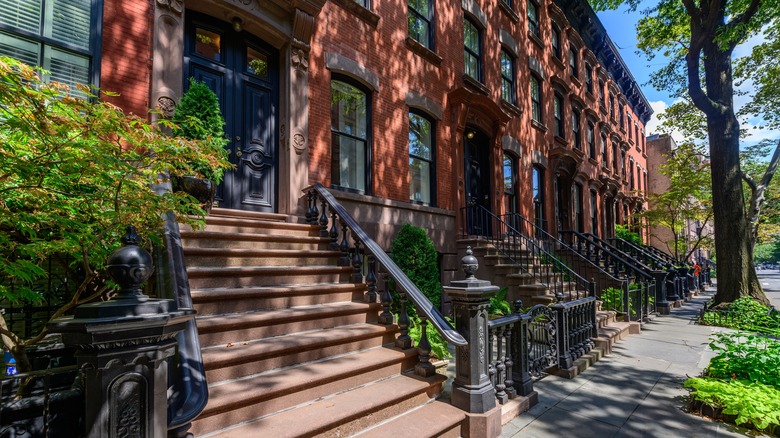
[330, 412]
[226, 212]
[247, 252]
[254, 389]
[204, 271]
[251, 236]
[235, 321]
[253, 222]
[222, 355]
[428, 420]
[221, 293]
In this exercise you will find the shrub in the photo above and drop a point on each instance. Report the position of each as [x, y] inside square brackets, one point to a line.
[414, 252]
[499, 305]
[622, 232]
[744, 313]
[75, 172]
[745, 356]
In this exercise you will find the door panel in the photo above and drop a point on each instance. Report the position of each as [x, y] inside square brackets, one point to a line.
[257, 161]
[478, 173]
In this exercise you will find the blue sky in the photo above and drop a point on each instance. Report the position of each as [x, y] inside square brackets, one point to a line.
[621, 27]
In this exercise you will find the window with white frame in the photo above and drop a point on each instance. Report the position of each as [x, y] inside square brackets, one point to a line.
[472, 50]
[421, 154]
[350, 135]
[420, 20]
[508, 77]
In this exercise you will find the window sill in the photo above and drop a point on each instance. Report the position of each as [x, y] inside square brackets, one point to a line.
[508, 11]
[476, 85]
[593, 161]
[558, 62]
[512, 108]
[579, 153]
[535, 39]
[575, 80]
[423, 52]
[644, 155]
[359, 11]
[590, 95]
[538, 125]
[602, 109]
[560, 140]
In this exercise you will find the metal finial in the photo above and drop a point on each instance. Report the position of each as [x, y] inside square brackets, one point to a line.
[131, 236]
[470, 264]
[130, 266]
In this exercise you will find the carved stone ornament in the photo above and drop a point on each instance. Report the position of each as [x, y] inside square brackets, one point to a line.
[299, 60]
[166, 105]
[299, 143]
[176, 6]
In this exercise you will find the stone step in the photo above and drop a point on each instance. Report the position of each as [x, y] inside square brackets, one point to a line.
[203, 277]
[434, 419]
[254, 257]
[266, 217]
[223, 362]
[231, 300]
[244, 327]
[242, 400]
[223, 224]
[212, 239]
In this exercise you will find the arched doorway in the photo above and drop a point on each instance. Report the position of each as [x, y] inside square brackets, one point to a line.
[244, 73]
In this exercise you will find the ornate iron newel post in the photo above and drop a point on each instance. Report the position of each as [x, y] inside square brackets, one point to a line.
[472, 390]
[122, 346]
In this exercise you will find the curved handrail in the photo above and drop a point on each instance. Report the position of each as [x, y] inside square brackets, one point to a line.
[418, 298]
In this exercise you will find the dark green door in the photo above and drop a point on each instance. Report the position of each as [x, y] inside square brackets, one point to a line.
[243, 71]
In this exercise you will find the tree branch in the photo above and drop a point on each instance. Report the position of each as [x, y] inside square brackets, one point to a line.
[757, 199]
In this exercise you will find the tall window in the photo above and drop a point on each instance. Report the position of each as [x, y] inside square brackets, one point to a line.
[602, 99]
[591, 140]
[536, 99]
[575, 127]
[589, 78]
[604, 161]
[573, 66]
[555, 42]
[614, 157]
[537, 187]
[558, 114]
[631, 174]
[421, 22]
[510, 182]
[594, 222]
[56, 35]
[622, 116]
[578, 214]
[473, 54]
[533, 18]
[421, 168]
[364, 3]
[611, 106]
[508, 78]
[350, 119]
[623, 164]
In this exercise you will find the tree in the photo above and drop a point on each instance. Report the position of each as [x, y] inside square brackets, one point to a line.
[687, 199]
[699, 38]
[73, 173]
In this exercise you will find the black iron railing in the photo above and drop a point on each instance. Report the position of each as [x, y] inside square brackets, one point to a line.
[526, 253]
[663, 255]
[642, 254]
[334, 221]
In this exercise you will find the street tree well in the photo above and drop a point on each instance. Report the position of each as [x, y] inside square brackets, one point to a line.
[699, 38]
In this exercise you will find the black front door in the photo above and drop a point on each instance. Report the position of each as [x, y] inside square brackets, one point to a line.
[477, 170]
[244, 73]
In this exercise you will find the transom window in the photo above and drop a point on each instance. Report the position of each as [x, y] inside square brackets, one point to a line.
[350, 136]
[558, 114]
[473, 53]
[533, 18]
[56, 35]
[421, 165]
[536, 99]
[508, 77]
[421, 22]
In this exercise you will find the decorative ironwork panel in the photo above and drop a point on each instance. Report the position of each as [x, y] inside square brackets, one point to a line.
[542, 340]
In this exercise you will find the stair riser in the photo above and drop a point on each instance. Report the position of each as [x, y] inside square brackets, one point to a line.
[211, 420]
[260, 302]
[264, 228]
[307, 244]
[237, 334]
[265, 280]
[226, 261]
[254, 365]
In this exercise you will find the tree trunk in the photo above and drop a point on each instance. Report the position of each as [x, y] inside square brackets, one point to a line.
[736, 273]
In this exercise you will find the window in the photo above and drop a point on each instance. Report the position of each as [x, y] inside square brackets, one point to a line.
[421, 169]
[575, 127]
[614, 158]
[639, 177]
[604, 161]
[589, 78]
[508, 3]
[631, 174]
[473, 54]
[555, 42]
[591, 140]
[508, 78]
[636, 133]
[56, 35]
[421, 22]
[537, 187]
[578, 216]
[558, 114]
[594, 222]
[622, 110]
[602, 99]
[611, 106]
[573, 66]
[349, 126]
[628, 127]
[536, 99]
[364, 3]
[510, 182]
[623, 164]
[533, 18]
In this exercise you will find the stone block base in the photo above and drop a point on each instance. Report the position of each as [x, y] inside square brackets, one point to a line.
[487, 425]
[517, 406]
[634, 328]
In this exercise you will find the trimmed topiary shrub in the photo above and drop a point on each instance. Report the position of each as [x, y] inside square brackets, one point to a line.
[414, 252]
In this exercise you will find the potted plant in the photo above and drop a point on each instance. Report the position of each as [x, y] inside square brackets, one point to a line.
[198, 117]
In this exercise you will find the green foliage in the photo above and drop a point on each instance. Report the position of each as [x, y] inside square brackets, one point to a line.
[766, 252]
[622, 232]
[745, 356]
[744, 313]
[198, 117]
[752, 403]
[499, 305]
[612, 299]
[414, 252]
[73, 173]
[438, 344]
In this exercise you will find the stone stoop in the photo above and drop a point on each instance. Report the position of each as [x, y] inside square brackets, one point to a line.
[290, 346]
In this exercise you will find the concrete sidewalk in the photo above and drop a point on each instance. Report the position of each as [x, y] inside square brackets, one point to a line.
[634, 392]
